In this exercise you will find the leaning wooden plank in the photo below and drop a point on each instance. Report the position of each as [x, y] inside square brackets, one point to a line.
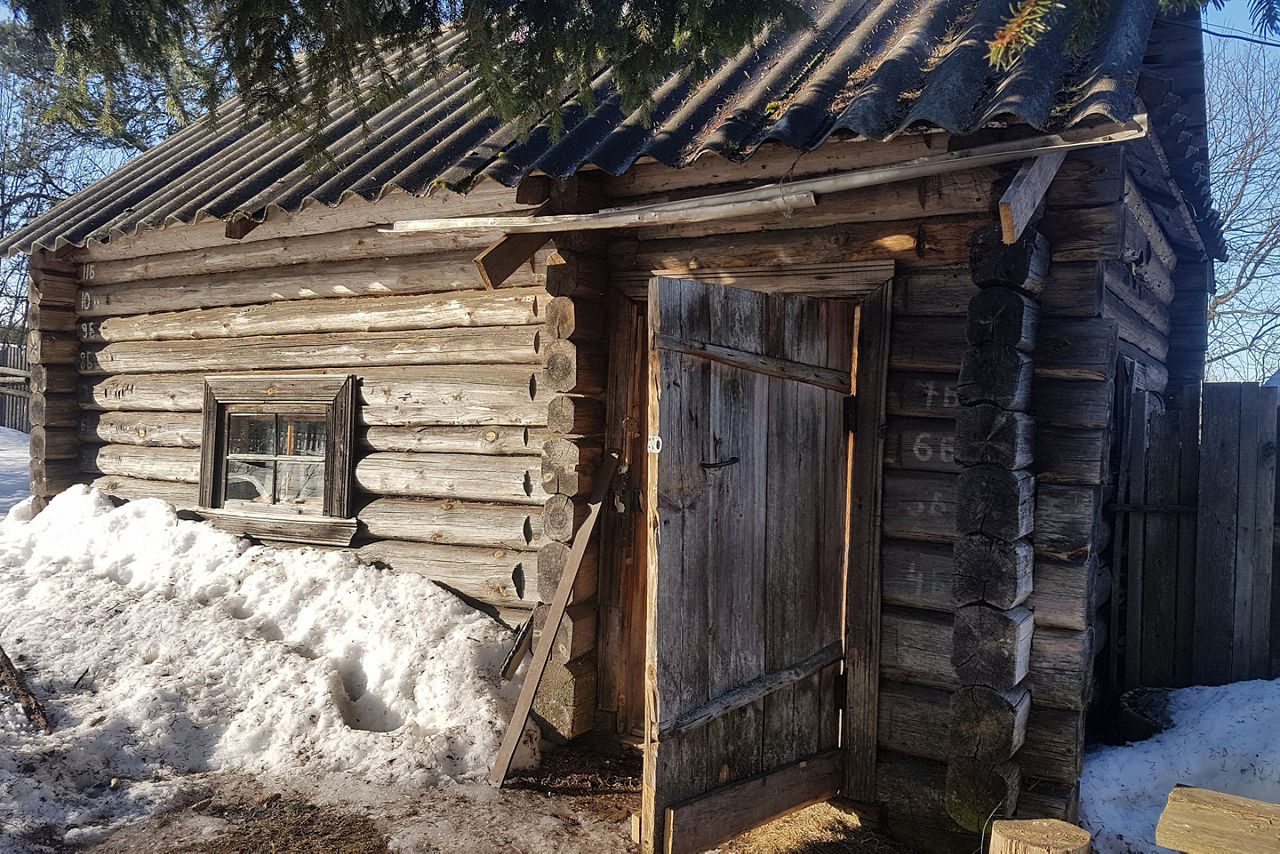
[708, 820]
[1199, 820]
[15, 682]
[1019, 203]
[829, 378]
[541, 654]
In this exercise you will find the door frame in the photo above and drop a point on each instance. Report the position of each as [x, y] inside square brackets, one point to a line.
[851, 774]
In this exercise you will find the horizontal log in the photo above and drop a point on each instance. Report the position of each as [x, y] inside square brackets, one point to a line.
[184, 496]
[911, 716]
[54, 379]
[1085, 234]
[956, 193]
[508, 345]
[927, 343]
[920, 394]
[1072, 289]
[53, 410]
[1077, 349]
[364, 314]
[919, 506]
[51, 318]
[470, 477]
[456, 523]
[1123, 286]
[52, 289]
[464, 439]
[920, 444]
[54, 443]
[916, 647]
[51, 348]
[1068, 522]
[421, 274]
[922, 575]
[176, 464]
[156, 429]
[435, 395]
[492, 576]
[355, 219]
[1068, 403]
[1047, 799]
[1073, 455]
[49, 477]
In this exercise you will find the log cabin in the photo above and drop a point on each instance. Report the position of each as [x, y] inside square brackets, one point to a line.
[838, 344]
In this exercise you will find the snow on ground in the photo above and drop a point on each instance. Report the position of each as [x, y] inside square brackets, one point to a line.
[1225, 738]
[165, 647]
[14, 458]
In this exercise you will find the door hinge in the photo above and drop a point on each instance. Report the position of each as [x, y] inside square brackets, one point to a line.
[851, 413]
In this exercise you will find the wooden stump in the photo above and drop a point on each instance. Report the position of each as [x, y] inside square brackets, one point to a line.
[1038, 836]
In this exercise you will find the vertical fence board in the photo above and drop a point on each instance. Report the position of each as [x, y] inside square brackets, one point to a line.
[1215, 613]
[1160, 562]
[1189, 491]
[1246, 533]
[1262, 475]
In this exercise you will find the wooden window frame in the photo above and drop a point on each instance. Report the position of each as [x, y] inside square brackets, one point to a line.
[334, 395]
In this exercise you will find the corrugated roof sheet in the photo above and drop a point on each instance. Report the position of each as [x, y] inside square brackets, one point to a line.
[873, 68]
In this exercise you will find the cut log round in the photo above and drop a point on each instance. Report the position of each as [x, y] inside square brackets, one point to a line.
[572, 415]
[985, 433]
[994, 263]
[978, 790]
[1038, 836]
[992, 647]
[54, 443]
[561, 516]
[553, 558]
[991, 570]
[995, 373]
[995, 502]
[1003, 316]
[988, 724]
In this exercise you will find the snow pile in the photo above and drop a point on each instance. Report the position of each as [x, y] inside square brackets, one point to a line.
[1225, 738]
[15, 456]
[164, 647]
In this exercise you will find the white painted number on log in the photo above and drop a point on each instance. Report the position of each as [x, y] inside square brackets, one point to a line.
[926, 446]
[944, 398]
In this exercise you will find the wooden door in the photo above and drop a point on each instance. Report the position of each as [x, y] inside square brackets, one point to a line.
[748, 392]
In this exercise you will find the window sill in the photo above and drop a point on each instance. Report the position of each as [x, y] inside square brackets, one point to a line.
[294, 527]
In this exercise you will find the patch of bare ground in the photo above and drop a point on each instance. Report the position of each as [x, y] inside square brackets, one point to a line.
[575, 801]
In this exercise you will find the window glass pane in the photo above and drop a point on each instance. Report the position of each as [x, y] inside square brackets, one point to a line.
[301, 435]
[249, 433]
[249, 481]
[300, 483]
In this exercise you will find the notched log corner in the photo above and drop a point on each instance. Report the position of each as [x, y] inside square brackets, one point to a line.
[31, 707]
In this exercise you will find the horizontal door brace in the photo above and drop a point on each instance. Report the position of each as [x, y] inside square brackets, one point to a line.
[828, 378]
[748, 692]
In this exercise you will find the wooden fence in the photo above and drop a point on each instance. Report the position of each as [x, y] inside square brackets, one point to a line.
[15, 387]
[1195, 526]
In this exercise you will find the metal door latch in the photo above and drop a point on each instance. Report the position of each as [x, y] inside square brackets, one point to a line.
[654, 445]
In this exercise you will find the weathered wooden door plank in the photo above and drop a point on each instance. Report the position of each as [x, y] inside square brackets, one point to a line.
[827, 378]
